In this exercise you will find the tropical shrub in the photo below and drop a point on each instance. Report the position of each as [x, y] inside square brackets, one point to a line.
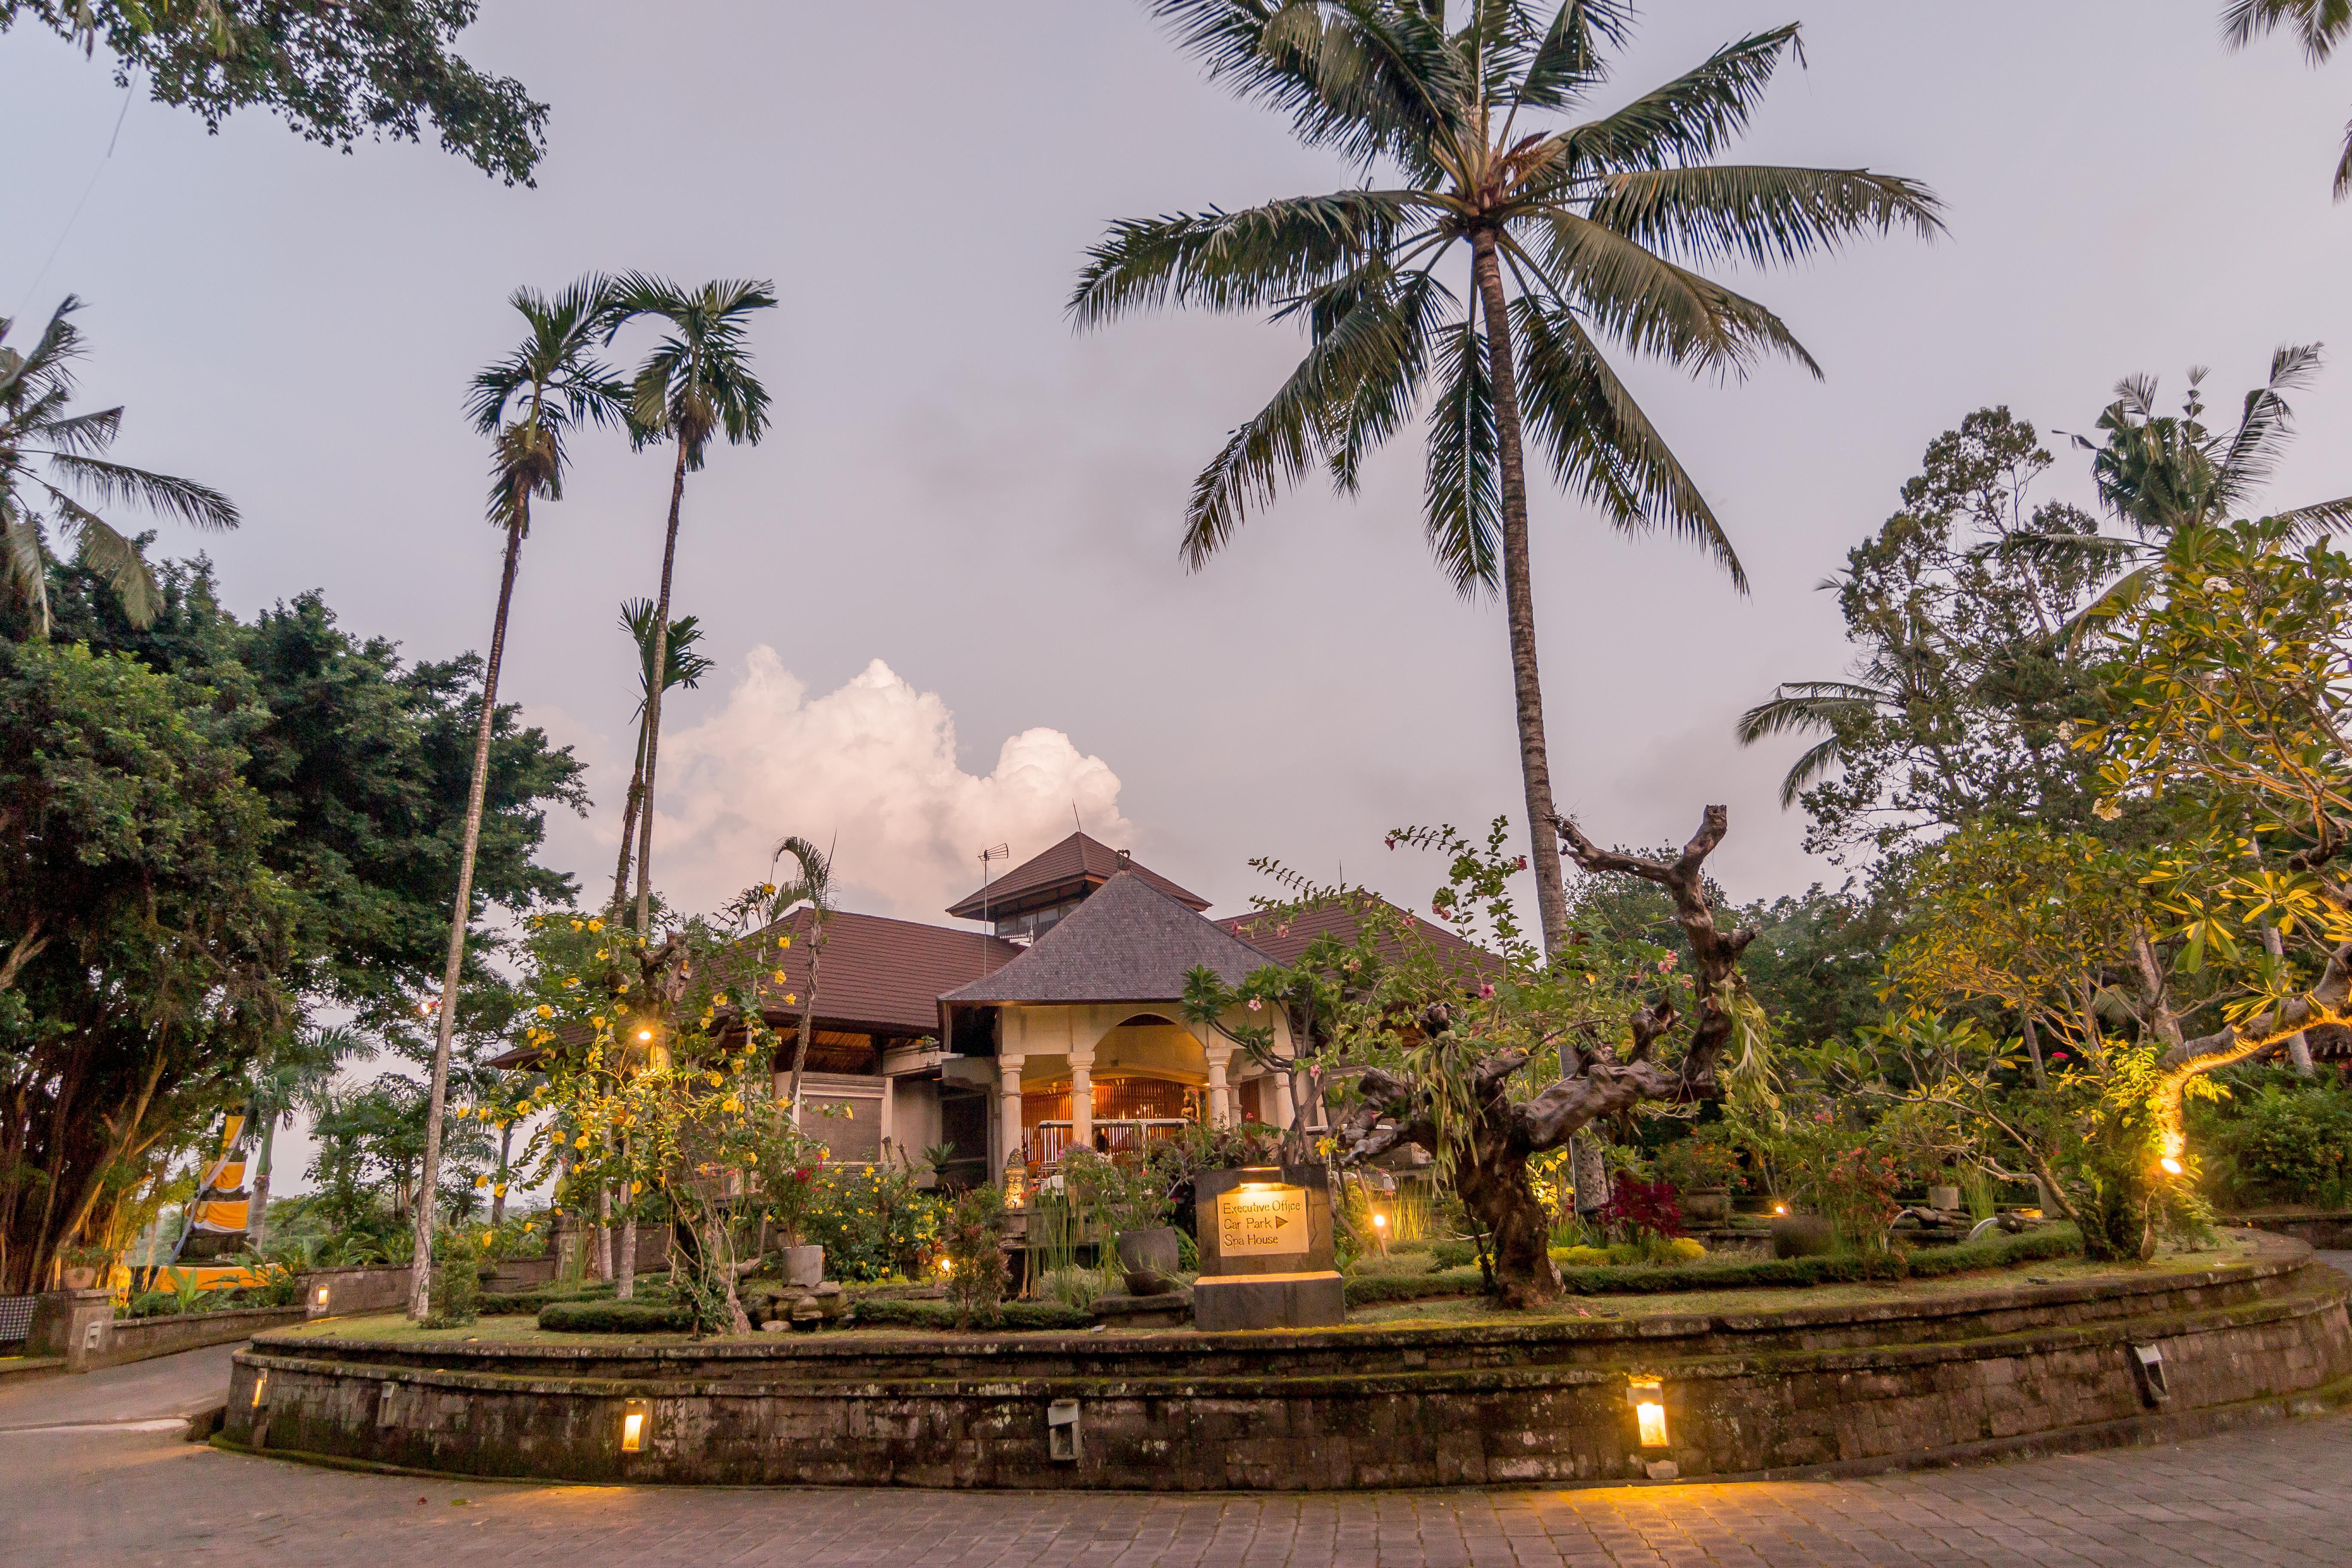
[872, 1221]
[975, 1255]
[2279, 1140]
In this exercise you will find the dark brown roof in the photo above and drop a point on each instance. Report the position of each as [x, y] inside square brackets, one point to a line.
[1130, 942]
[1284, 938]
[884, 976]
[1068, 870]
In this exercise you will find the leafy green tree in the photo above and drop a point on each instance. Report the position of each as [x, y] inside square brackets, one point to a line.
[1956, 708]
[2319, 25]
[697, 383]
[359, 767]
[1572, 233]
[329, 71]
[297, 1068]
[51, 458]
[527, 404]
[148, 934]
[681, 666]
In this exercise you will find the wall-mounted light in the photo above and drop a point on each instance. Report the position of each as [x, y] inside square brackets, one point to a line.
[2172, 1167]
[637, 1419]
[318, 1297]
[260, 1382]
[1648, 1403]
[1779, 1208]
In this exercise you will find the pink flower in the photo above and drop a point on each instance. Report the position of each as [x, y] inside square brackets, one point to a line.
[1485, 989]
[1254, 1004]
[1522, 865]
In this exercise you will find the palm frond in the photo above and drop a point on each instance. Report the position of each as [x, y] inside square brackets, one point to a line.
[26, 563]
[1268, 454]
[1569, 61]
[2307, 523]
[200, 506]
[2124, 594]
[1461, 493]
[1817, 760]
[85, 435]
[118, 561]
[2263, 427]
[1361, 77]
[1802, 705]
[1654, 306]
[2319, 25]
[1252, 260]
[1600, 442]
[1691, 117]
[2059, 549]
[1389, 385]
[1760, 216]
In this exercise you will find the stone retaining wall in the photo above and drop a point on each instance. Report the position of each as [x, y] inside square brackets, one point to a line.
[2328, 1232]
[137, 1339]
[2026, 1366]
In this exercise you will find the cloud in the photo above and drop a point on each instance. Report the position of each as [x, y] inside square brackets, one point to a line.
[875, 763]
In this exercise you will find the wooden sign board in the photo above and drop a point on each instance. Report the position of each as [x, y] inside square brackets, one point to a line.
[1260, 1219]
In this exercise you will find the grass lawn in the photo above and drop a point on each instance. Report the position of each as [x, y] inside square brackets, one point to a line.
[1452, 1311]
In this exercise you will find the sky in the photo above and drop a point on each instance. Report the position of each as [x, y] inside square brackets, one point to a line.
[944, 595]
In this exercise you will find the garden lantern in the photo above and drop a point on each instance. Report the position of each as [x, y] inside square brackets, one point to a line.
[636, 1415]
[1649, 1402]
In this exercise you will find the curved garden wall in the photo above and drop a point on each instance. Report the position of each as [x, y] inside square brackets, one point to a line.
[2024, 1366]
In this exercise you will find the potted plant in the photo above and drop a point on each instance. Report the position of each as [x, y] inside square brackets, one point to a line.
[1132, 1204]
[85, 1267]
[1702, 1172]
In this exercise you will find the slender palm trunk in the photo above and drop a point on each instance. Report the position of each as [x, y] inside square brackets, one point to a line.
[653, 701]
[629, 820]
[808, 1012]
[420, 1268]
[256, 1224]
[498, 1191]
[603, 1233]
[1518, 594]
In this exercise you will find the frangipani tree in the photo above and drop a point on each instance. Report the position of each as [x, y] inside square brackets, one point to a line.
[1573, 234]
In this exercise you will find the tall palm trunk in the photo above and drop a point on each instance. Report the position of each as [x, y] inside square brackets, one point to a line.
[420, 1269]
[498, 1191]
[1518, 594]
[1588, 1167]
[629, 821]
[653, 700]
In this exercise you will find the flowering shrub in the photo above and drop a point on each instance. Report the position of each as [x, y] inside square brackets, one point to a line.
[975, 1255]
[1858, 1198]
[872, 1222]
[1637, 1208]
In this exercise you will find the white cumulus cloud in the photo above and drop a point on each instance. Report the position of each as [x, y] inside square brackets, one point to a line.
[875, 764]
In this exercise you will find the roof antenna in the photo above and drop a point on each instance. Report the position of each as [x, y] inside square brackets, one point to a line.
[1075, 818]
[993, 853]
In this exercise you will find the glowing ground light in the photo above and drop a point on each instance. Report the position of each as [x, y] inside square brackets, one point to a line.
[2172, 1167]
[645, 1034]
[633, 1427]
[1649, 1402]
[1380, 1220]
[260, 1382]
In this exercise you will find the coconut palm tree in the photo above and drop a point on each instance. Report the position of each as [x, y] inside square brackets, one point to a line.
[527, 404]
[683, 667]
[2319, 25]
[696, 384]
[1573, 233]
[50, 458]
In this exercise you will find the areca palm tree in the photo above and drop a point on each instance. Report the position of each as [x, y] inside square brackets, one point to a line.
[527, 404]
[1574, 234]
[697, 383]
[681, 666]
[812, 887]
[48, 453]
[2319, 25]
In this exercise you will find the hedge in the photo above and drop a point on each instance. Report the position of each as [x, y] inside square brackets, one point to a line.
[902, 1313]
[614, 1317]
[1647, 1279]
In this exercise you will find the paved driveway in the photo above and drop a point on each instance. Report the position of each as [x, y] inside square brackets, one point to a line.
[129, 1494]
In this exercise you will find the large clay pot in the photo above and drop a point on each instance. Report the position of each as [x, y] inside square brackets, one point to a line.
[1148, 1259]
[80, 1278]
[805, 1265]
[1709, 1206]
[1801, 1235]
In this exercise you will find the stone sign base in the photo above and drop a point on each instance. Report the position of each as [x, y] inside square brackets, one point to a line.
[1315, 1300]
[1901, 1378]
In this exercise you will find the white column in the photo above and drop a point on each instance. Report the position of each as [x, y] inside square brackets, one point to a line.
[1008, 1086]
[1277, 1101]
[1220, 1107]
[1082, 1100]
[888, 1142]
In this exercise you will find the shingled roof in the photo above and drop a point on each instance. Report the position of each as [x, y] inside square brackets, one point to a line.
[1128, 942]
[1067, 871]
[1285, 938]
[880, 975]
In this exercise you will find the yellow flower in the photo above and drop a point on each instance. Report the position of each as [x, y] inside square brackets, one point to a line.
[575, 925]
[598, 1020]
[571, 979]
[714, 1080]
[480, 1182]
[486, 1238]
[500, 1191]
[790, 999]
[635, 1187]
[581, 1142]
[780, 977]
[528, 1225]
[595, 925]
[545, 1011]
[783, 941]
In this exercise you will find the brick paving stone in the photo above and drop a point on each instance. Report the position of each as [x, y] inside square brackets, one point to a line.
[2280, 1495]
